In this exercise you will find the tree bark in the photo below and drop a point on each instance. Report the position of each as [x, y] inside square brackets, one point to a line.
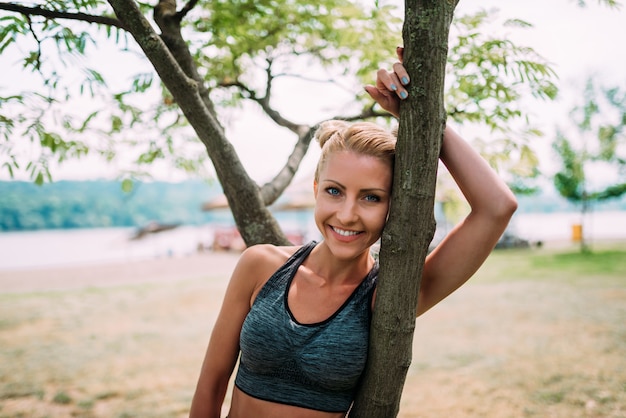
[411, 224]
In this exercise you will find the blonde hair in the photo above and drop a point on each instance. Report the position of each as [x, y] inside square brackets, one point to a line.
[365, 138]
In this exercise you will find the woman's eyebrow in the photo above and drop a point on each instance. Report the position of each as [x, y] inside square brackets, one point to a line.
[335, 182]
[376, 189]
[366, 190]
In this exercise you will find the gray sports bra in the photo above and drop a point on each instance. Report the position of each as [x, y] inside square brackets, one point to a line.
[315, 366]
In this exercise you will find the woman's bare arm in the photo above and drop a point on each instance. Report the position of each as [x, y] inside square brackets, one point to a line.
[466, 247]
[223, 350]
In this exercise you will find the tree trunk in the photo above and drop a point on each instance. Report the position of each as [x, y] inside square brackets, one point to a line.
[254, 220]
[411, 224]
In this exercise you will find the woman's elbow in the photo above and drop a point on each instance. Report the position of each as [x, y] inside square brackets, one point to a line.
[504, 202]
[508, 205]
[501, 209]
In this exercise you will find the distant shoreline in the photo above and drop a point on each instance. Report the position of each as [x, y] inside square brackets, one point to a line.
[69, 205]
[50, 249]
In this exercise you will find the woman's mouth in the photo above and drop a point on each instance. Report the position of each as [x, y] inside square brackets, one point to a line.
[344, 232]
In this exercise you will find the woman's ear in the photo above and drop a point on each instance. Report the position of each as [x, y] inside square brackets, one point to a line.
[315, 189]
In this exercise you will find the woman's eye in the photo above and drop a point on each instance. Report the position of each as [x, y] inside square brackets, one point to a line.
[333, 191]
[372, 198]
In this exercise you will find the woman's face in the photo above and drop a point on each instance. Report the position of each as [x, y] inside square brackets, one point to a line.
[352, 201]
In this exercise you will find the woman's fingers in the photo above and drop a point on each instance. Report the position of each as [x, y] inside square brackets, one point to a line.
[401, 73]
[385, 99]
[390, 86]
[400, 53]
[393, 82]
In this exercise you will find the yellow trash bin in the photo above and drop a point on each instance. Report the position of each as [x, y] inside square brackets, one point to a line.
[577, 232]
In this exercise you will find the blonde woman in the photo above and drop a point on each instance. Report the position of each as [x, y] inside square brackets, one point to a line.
[297, 318]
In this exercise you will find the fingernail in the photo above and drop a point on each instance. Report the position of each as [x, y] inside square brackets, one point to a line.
[403, 94]
[393, 87]
[405, 80]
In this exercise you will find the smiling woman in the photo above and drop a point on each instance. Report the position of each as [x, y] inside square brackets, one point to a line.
[297, 318]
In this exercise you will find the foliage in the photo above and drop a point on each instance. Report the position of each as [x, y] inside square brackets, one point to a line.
[487, 77]
[614, 4]
[239, 47]
[490, 74]
[600, 144]
[244, 51]
[601, 124]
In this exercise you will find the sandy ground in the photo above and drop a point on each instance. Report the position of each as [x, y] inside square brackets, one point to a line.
[127, 340]
[115, 274]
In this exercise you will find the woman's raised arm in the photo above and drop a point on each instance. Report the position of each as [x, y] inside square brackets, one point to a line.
[492, 203]
[466, 247]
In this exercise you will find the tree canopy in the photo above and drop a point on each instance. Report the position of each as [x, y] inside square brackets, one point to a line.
[242, 52]
[207, 65]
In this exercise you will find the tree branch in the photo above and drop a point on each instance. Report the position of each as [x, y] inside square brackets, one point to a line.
[169, 22]
[55, 14]
[38, 42]
[275, 187]
[272, 190]
[186, 9]
[250, 94]
[368, 112]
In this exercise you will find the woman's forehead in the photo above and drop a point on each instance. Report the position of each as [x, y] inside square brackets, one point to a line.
[350, 165]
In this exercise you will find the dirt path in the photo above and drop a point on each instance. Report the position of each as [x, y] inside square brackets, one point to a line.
[122, 273]
[127, 340]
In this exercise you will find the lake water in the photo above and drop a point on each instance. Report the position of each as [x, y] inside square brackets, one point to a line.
[601, 225]
[40, 249]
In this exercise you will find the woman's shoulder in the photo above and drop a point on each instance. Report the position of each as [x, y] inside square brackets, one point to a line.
[268, 253]
[262, 260]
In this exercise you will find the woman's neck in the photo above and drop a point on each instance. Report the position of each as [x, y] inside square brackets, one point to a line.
[324, 264]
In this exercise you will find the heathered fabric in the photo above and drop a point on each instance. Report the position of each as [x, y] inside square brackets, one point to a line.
[315, 366]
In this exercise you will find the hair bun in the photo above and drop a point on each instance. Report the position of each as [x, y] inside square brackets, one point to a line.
[328, 129]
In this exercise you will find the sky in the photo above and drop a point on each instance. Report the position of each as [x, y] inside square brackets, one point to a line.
[578, 42]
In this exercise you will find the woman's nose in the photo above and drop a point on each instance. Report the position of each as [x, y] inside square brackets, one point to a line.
[347, 213]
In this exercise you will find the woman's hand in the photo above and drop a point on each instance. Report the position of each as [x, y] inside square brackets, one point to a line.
[389, 88]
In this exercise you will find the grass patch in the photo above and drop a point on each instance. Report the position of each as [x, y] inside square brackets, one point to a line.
[607, 265]
[62, 398]
[551, 397]
[609, 262]
[14, 390]
[106, 395]
[86, 404]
